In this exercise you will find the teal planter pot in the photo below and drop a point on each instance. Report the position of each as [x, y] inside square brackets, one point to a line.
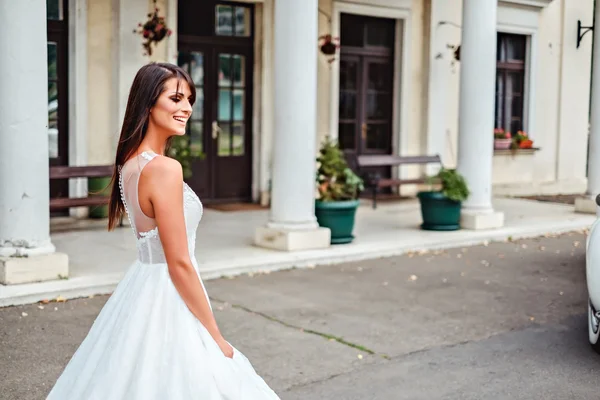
[439, 213]
[98, 187]
[338, 216]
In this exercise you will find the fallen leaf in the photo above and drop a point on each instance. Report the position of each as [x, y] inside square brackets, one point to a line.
[45, 301]
[24, 314]
[60, 299]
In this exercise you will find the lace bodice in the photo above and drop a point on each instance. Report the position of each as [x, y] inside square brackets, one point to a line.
[150, 250]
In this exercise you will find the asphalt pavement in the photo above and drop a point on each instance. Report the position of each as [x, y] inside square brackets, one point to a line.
[499, 321]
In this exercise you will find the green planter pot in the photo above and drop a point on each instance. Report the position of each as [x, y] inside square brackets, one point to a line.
[338, 216]
[439, 213]
[98, 187]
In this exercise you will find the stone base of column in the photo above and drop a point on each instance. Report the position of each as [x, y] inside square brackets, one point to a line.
[477, 220]
[33, 268]
[277, 238]
[585, 205]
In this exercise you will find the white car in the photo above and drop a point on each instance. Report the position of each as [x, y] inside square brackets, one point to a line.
[592, 271]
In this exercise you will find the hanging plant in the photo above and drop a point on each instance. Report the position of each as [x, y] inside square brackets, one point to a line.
[329, 46]
[153, 31]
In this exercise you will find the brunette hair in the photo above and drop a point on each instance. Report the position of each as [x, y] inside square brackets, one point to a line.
[147, 86]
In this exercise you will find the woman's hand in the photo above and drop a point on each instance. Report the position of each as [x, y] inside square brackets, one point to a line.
[225, 347]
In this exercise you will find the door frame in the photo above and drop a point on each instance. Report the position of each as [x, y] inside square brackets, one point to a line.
[402, 62]
[210, 51]
[223, 44]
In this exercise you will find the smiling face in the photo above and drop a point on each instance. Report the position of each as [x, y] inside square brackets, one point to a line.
[172, 109]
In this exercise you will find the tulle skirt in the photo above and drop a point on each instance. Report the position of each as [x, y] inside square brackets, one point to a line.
[146, 344]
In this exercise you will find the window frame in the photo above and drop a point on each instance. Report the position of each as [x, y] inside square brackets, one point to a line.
[529, 84]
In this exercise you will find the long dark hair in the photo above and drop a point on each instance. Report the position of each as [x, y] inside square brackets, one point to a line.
[148, 84]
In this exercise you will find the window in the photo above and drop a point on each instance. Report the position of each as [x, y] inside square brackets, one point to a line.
[510, 82]
[57, 42]
[232, 20]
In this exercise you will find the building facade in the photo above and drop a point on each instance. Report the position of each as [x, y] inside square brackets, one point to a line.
[410, 77]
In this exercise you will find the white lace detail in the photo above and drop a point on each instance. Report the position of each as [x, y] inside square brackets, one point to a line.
[148, 156]
[150, 233]
[148, 243]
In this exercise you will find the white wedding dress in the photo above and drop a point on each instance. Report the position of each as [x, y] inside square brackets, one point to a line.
[146, 344]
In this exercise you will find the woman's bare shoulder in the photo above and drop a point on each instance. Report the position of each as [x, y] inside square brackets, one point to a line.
[164, 169]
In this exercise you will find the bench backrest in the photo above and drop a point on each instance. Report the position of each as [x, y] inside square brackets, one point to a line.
[378, 160]
[90, 171]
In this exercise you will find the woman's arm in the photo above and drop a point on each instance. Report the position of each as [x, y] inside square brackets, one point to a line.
[165, 179]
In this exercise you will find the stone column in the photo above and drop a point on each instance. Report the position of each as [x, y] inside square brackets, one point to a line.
[476, 112]
[587, 204]
[26, 253]
[292, 224]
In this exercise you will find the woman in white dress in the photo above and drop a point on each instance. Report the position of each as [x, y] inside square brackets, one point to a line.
[156, 337]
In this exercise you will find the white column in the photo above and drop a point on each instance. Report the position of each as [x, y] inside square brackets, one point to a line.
[476, 112]
[292, 224]
[588, 203]
[26, 253]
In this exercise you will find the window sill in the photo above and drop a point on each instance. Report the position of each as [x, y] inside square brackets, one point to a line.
[515, 152]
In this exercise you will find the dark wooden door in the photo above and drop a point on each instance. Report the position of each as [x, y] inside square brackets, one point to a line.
[216, 45]
[366, 86]
[58, 100]
[221, 125]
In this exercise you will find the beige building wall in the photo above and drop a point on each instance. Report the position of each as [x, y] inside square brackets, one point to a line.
[558, 80]
[100, 41]
[426, 113]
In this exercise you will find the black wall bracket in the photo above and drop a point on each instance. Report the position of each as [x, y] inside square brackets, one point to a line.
[580, 34]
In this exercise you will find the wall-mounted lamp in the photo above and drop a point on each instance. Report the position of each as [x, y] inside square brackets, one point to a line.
[585, 29]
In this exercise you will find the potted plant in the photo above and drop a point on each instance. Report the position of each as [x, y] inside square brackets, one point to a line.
[502, 139]
[338, 188]
[181, 150]
[521, 141]
[440, 209]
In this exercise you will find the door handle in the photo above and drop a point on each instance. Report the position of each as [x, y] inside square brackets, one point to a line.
[364, 131]
[215, 129]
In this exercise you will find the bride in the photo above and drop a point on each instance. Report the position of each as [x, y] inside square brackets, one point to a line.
[156, 337]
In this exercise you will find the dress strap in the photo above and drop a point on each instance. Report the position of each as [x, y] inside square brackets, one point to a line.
[148, 155]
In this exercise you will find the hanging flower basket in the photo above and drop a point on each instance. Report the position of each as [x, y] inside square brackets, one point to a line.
[329, 46]
[153, 31]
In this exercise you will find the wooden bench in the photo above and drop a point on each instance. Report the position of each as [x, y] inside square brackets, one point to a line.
[375, 182]
[91, 171]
